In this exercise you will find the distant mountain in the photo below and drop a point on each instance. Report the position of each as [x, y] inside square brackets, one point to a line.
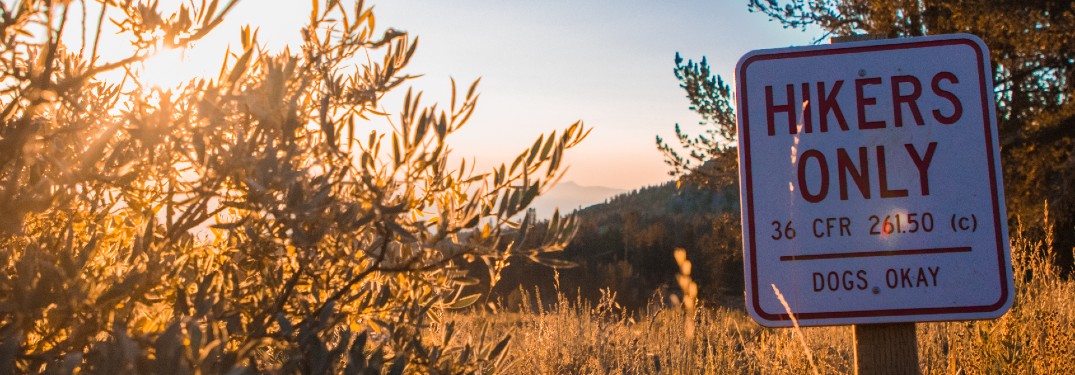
[569, 196]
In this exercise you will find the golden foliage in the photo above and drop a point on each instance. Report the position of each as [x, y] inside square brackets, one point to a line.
[253, 221]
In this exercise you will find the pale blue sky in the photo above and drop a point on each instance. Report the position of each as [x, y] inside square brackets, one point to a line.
[545, 64]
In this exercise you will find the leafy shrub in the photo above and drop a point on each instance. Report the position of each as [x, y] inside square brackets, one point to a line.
[249, 222]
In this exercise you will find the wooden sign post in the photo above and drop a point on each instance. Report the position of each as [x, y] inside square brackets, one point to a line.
[886, 348]
[871, 189]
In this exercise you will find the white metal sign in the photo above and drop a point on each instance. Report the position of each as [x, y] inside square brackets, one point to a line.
[871, 183]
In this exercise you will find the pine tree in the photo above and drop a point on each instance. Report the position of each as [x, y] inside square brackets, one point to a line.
[1033, 55]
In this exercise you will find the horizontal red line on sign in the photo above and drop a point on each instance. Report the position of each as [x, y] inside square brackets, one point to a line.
[884, 253]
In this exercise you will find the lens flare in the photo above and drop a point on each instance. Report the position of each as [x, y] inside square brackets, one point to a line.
[167, 69]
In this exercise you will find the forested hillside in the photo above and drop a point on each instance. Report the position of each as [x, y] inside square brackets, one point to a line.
[626, 245]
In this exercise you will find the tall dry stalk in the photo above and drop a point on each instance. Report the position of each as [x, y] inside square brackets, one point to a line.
[798, 330]
[689, 288]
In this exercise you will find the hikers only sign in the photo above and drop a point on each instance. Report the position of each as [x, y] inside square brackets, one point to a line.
[871, 183]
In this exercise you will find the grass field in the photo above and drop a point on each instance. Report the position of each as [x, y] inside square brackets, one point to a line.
[576, 337]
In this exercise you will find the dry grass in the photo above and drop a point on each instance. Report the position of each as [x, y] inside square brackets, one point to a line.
[575, 337]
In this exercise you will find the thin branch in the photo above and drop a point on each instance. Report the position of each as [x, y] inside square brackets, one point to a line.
[97, 36]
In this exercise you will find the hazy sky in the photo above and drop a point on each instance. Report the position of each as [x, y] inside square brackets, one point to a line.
[544, 65]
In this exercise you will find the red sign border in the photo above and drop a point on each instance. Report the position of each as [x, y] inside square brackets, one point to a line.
[748, 197]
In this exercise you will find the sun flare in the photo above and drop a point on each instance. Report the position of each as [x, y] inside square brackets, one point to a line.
[169, 68]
